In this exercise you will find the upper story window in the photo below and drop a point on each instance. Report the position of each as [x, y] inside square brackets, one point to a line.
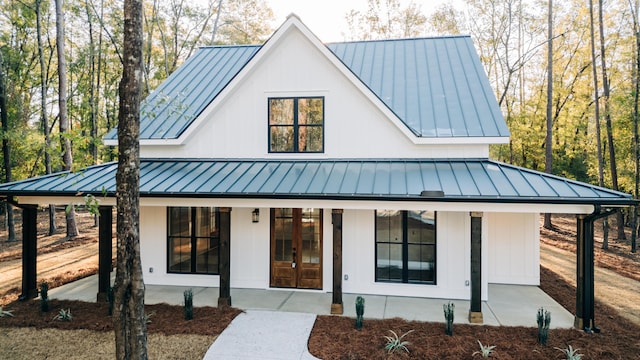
[296, 125]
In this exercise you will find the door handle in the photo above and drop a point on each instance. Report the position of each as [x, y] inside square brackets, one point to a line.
[294, 255]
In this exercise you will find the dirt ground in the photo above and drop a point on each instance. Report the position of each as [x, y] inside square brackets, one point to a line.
[23, 335]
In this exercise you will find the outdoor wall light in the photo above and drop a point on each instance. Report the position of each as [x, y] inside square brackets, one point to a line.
[255, 215]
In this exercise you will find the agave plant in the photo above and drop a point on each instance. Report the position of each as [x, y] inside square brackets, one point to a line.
[485, 350]
[571, 353]
[64, 315]
[395, 342]
[5, 313]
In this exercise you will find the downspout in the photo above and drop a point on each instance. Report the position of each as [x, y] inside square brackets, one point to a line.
[585, 279]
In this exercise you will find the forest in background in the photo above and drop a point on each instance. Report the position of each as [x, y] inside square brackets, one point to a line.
[589, 114]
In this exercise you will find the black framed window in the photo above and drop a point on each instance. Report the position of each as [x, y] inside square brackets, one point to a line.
[296, 125]
[193, 240]
[406, 246]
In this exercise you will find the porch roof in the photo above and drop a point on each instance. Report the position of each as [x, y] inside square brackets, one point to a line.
[445, 180]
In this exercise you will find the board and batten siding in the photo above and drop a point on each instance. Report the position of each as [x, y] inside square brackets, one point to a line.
[354, 126]
[514, 248]
[250, 263]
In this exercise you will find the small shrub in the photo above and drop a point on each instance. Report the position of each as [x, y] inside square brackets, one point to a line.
[188, 304]
[485, 351]
[64, 315]
[543, 319]
[111, 297]
[449, 309]
[44, 297]
[571, 353]
[359, 311]
[5, 313]
[395, 343]
[147, 317]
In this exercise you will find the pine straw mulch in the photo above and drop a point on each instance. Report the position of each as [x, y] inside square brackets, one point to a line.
[336, 338]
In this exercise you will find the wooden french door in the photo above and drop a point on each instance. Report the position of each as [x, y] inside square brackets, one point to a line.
[296, 248]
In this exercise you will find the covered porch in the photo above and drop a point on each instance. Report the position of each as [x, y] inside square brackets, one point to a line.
[508, 305]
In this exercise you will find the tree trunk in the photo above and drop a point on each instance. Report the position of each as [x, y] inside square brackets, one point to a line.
[6, 150]
[129, 317]
[607, 116]
[636, 139]
[548, 155]
[43, 111]
[63, 121]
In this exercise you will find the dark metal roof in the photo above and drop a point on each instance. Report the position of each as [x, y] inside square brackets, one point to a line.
[472, 180]
[436, 86]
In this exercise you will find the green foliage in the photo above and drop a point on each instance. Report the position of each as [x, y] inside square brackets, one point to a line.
[5, 313]
[44, 297]
[188, 304]
[64, 315]
[449, 309]
[359, 311]
[395, 342]
[571, 353]
[543, 319]
[485, 351]
[147, 317]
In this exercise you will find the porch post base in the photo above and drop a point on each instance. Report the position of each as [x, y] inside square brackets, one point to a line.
[102, 297]
[224, 301]
[337, 309]
[475, 317]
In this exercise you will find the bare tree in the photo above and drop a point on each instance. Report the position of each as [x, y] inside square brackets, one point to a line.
[636, 139]
[606, 92]
[548, 157]
[6, 149]
[43, 110]
[63, 120]
[128, 316]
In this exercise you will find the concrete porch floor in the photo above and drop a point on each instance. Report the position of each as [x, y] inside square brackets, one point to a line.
[508, 305]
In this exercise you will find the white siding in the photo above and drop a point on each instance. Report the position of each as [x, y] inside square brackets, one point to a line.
[354, 126]
[250, 254]
[514, 248]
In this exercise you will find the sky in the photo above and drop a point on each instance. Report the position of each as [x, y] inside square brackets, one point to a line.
[325, 18]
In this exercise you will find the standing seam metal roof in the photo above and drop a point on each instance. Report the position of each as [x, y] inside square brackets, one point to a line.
[436, 86]
[350, 179]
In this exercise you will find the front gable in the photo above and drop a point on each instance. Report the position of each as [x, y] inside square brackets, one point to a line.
[360, 118]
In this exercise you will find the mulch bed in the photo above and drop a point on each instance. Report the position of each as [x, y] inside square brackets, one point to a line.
[164, 319]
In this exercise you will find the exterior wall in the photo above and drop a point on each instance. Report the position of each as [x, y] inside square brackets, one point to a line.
[354, 126]
[514, 248]
[250, 251]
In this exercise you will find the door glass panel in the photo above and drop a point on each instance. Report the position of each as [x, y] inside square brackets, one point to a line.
[310, 233]
[179, 221]
[283, 224]
[207, 250]
[206, 225]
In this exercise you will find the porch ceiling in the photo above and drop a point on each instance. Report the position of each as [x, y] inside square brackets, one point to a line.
[445, 180]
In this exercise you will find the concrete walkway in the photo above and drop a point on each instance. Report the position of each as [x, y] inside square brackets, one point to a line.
[260, 334]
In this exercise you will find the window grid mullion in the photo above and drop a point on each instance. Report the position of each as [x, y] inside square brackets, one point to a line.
[296, 148]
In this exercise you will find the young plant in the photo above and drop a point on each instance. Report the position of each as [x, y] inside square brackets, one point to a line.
[5, 313]
[485, 351]
[359, 311]
[395, 342]
[543, 319]
[147, 317]
[64, 315]
[449, 309]
[188, 304]
[44, 297]
[571, 353]
[111, 298]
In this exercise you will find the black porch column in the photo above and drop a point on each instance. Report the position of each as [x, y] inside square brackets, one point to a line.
[105, 250]
[475, 312]
[224, 298]
[585, 281]
[29, 252]
[336, 304]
